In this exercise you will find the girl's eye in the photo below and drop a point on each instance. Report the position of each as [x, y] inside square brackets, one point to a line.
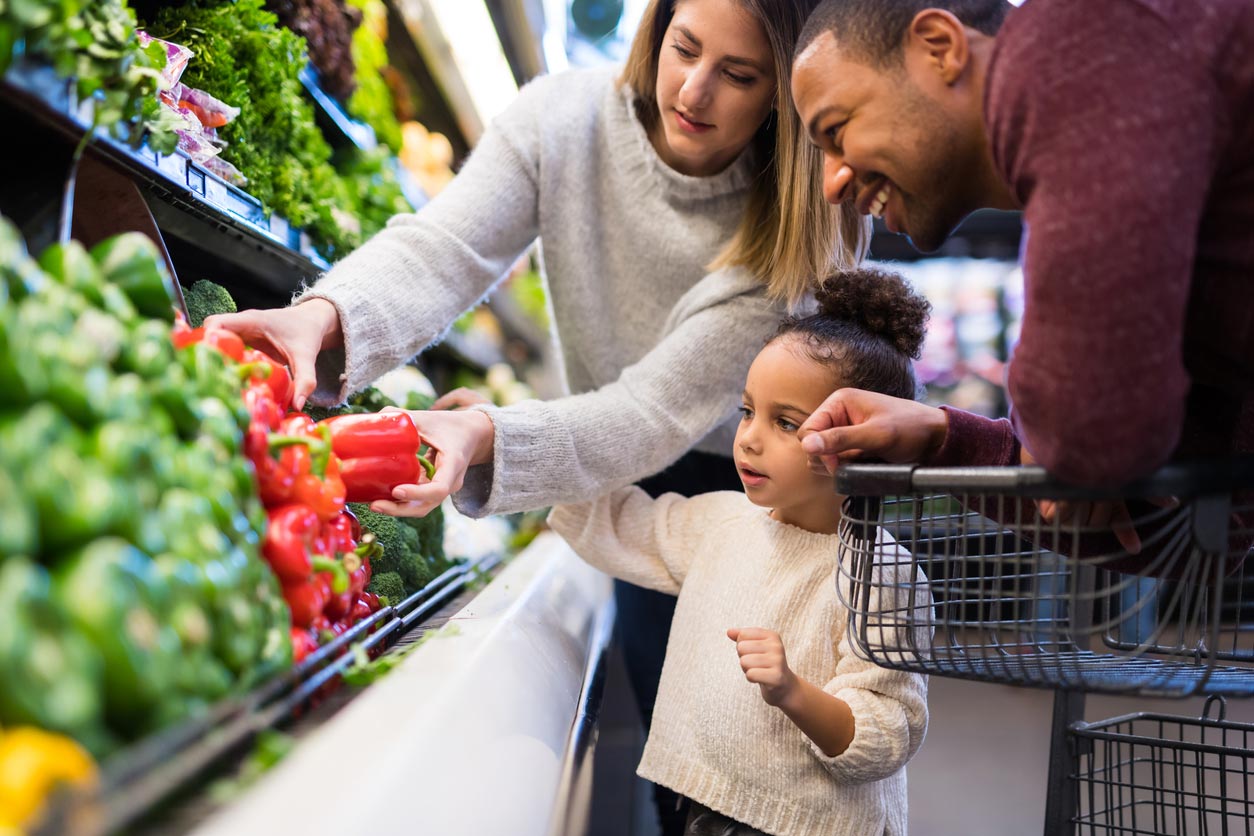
[742, 80]
[684, 52]
[745, 413]
[787, 426]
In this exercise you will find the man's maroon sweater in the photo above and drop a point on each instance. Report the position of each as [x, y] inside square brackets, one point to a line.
[1126, 130]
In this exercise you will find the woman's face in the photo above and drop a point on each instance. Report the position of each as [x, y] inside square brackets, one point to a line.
[715, 85]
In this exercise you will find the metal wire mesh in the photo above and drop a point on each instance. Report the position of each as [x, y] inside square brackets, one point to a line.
[1021, 600]
[1163, 775]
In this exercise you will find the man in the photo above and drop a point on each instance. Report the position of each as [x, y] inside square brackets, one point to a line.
[1125, 131]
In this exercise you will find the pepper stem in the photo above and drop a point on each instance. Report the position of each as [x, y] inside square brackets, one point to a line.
[339, 577]
[427, 466]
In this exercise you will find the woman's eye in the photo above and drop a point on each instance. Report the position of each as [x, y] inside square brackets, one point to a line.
[684, 52]
[741, 79]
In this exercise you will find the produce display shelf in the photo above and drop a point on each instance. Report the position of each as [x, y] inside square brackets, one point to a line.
[137, 781]
[339, 128]
[484, 728]
[190, 203]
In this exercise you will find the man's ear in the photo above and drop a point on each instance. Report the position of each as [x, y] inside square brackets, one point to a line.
[941, 40]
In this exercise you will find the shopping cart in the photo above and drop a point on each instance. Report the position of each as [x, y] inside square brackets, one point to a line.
[1026, 601]
[954, 572]
[1158, 774]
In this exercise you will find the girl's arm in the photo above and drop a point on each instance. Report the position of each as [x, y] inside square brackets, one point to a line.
[826, 719]
[867, 721]
[645, 541]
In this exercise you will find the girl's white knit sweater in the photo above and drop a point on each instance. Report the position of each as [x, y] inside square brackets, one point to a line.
[713, 737]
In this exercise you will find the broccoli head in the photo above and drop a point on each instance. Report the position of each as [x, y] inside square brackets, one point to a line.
[205, 298]
[387, 585]
[402, 549]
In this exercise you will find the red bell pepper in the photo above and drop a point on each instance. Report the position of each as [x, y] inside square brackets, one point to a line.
[265, 369]
[377, 452]
[303, 644]
[305, 452]
[308, 598]
[289, 545]
[227, 342]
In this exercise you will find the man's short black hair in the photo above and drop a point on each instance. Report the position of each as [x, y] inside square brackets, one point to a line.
[876, 29]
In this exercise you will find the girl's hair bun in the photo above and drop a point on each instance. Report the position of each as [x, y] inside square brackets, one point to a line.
[880, 303]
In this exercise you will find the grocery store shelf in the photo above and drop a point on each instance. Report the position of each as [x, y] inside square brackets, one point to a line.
[338, 127]
[187, 201]
[484, 710]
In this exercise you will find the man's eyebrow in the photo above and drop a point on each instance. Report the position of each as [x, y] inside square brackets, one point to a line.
[730, 59]
[813, 128]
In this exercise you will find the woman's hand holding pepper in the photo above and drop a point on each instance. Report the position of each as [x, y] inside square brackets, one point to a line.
[295, 335]
[458, 440]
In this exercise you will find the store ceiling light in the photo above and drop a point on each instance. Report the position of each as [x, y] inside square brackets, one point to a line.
[480, 61]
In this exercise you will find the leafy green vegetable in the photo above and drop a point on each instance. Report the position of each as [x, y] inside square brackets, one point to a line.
[374, 192]
[244, 58]
[95, 42]
[372, 102]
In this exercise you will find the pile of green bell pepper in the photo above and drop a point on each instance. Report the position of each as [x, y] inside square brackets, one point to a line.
[131, 583]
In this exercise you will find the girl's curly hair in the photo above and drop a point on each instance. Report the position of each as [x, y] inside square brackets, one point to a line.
[869, 326]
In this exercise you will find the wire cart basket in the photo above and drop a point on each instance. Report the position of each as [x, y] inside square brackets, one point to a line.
[987, 589]
[955, 572]
[1157, 774]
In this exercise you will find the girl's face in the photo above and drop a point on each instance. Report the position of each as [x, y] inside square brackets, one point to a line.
[715, 85]
[784, 386]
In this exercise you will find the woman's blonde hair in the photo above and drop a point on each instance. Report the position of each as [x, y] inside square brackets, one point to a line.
[789, 235]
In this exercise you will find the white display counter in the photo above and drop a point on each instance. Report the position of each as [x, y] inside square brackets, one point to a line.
[468, 735]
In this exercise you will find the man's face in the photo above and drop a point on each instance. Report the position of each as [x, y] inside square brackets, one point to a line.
[894, 144]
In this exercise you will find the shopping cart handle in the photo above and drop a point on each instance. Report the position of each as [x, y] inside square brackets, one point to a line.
[1180, 480]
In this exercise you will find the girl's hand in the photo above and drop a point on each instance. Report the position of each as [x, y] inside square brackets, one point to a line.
[459, 440]
[764, 663]
[294, 335]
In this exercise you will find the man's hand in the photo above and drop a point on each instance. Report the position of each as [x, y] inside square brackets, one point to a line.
[853, 424]
[764, 663]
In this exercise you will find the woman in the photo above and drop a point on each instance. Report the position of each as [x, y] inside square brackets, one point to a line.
[678, 208]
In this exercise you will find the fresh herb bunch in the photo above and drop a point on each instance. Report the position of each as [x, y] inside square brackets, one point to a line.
[95, 43]
[372, 102]
[374, 191]
[246, 59]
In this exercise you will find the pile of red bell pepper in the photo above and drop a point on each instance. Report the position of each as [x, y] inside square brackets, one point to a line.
[306, 473]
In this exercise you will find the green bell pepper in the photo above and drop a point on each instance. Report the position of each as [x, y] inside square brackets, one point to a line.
[132, 262]
[116, 598]
[50, 675]
[19, 526]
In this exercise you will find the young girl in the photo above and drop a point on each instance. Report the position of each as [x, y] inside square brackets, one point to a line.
[820, 745]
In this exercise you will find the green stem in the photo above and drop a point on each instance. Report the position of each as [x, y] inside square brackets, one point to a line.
[339, 577]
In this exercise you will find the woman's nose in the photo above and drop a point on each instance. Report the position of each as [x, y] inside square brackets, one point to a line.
[696, 93]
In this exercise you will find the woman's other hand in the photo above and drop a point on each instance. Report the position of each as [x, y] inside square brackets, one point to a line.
[458, 439]
[459, 398]
[295, 336]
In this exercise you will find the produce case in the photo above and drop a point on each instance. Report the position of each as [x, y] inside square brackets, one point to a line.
[481, 730]
[204, 226]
